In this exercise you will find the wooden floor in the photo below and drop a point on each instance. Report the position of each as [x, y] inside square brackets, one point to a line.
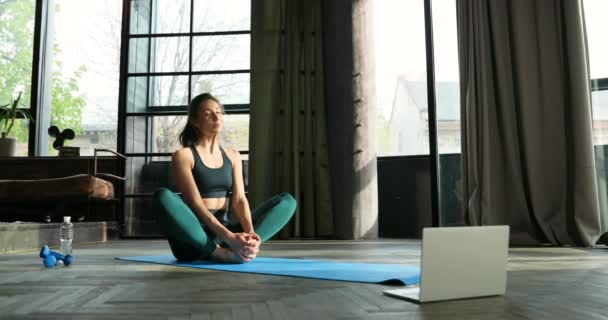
[543, 283]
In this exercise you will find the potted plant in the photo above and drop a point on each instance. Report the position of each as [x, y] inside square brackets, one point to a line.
[8, 114]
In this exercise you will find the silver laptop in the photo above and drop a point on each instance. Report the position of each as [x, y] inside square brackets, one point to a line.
[460, 262]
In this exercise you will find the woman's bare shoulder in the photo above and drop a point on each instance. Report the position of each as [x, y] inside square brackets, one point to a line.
[233, 154]
[182, 155]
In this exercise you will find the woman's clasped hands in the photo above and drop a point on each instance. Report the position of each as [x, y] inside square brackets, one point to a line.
[245, 244]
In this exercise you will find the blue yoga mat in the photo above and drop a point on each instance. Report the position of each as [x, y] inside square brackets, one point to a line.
[315, 269]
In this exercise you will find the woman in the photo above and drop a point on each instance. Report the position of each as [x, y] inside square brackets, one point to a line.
[210, 180]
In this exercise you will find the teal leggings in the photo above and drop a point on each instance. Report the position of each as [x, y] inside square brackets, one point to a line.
[188, 240]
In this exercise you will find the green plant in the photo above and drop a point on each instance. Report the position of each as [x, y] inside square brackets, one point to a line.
[8, 114]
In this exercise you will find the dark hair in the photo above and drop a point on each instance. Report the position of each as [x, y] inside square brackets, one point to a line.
[190, 134]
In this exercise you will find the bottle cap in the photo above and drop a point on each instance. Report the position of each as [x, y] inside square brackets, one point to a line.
[66, 219]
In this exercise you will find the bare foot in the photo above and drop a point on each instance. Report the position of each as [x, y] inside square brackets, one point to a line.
[225, 255]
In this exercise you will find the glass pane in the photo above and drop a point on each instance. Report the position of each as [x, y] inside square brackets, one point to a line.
[211, 53]
[16, 38]
[596, 24]
[140, 17]
[133, 172]
[599, 101]
[138, 55]
[166, 130]
[401, 94]
[84, 72]
[137, 91]
[170, 54]
[235, 133]
[169, 91]
[222, 15]
[20, 132]
[135, 135]
[228, 88]
[171, 16]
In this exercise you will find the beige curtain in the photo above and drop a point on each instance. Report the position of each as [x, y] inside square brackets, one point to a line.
[288, 147]
[526, 121]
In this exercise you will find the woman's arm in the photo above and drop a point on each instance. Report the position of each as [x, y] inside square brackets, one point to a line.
[183, 162]
[239, 199]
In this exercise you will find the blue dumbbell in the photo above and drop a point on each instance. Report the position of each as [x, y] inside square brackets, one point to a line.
[51, 257]
[49, 261]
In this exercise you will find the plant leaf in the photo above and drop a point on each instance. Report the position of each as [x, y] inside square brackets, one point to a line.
[25, 114]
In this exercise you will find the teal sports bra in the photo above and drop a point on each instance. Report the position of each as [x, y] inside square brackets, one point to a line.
[212, 182]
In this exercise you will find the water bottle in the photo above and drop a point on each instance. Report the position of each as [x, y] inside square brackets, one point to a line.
[66, 234]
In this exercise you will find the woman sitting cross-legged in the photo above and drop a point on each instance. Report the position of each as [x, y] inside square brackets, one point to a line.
[198, 227]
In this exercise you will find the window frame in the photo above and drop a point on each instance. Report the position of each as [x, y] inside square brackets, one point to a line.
[165, 110]
[170, 110]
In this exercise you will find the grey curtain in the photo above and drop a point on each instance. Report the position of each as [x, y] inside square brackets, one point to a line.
[526, 120]
[288, 144]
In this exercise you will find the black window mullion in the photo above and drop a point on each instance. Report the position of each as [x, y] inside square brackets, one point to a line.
[190, 50]
[34, 80]
[149, 68]
[149, 50]
[436, 217]
[186, 73]
[182, 112]
[157, 113]
[186, 34]
[149, 62]
[228, 108]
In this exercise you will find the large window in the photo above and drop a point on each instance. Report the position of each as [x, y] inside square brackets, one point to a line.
[81, 72]
[178, 49]
[402, 39]
[401, 88]
[16, 47]
[401, 79]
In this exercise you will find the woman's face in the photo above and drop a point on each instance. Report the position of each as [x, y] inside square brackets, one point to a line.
[211, 118]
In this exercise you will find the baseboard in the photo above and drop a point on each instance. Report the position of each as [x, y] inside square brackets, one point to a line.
[27, 236]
